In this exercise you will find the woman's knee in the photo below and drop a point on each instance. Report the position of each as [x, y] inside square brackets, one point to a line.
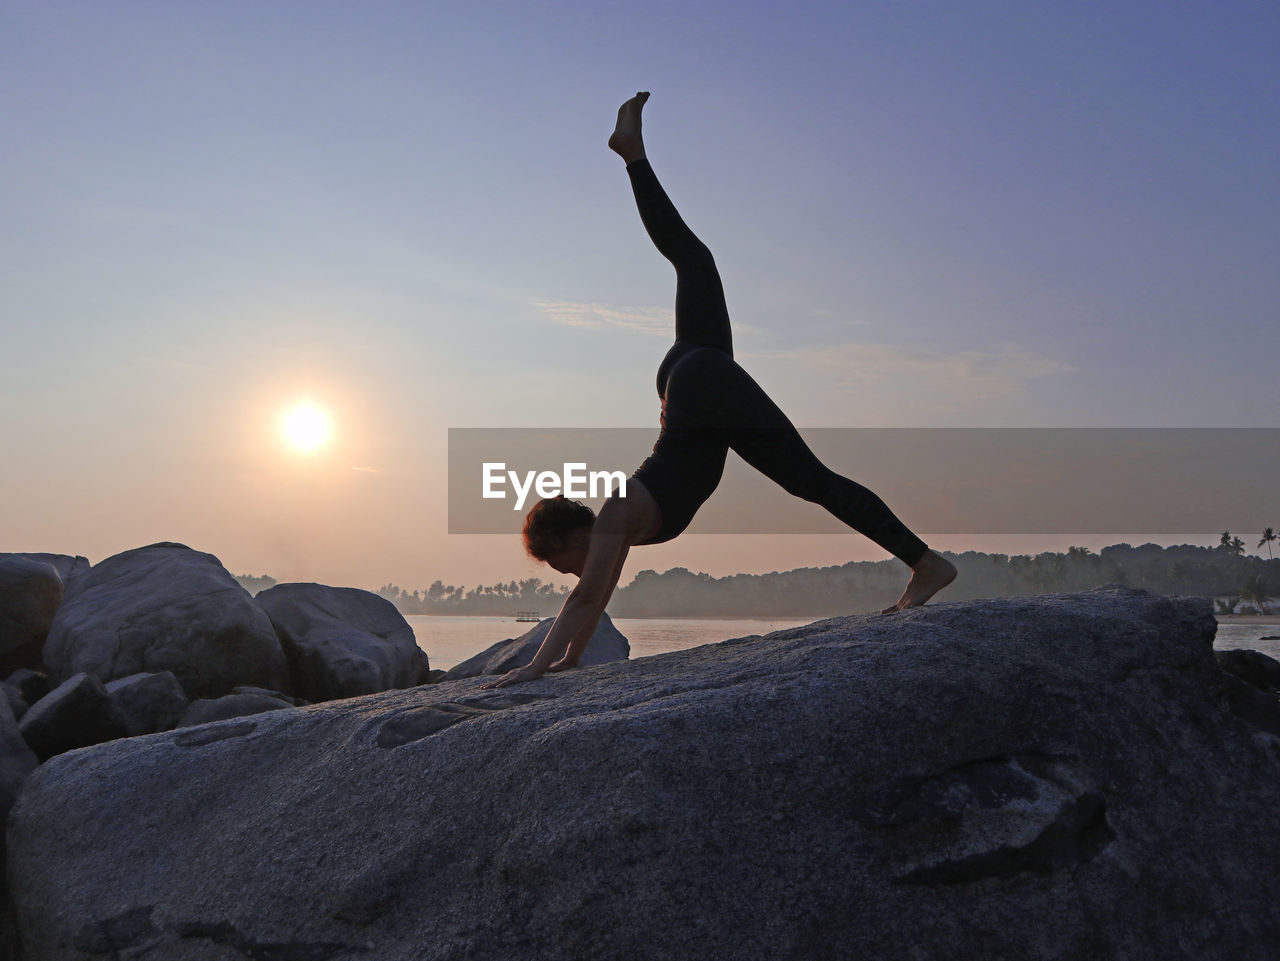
[695, 257]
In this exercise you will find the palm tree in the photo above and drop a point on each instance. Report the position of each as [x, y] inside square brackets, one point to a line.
[1237, 546]
[1225, 540]
[1268, 536]
[1253, 592]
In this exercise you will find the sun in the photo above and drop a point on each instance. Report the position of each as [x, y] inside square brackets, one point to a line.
[306, 428]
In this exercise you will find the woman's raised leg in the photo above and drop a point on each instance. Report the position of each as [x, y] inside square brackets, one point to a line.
[702, 318]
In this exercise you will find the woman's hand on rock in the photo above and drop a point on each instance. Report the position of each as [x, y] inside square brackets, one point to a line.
[518, 676]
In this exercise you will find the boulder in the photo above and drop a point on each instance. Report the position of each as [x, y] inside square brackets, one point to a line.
[230, 705]
[76, 713]
[149, 702]
[341, 641]
[165, 608]
[606, 644]
[30, 592]
[1065, 776]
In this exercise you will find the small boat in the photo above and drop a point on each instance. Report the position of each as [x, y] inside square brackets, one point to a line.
[528, 617]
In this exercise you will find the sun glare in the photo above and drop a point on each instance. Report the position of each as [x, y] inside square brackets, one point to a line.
[306, 428]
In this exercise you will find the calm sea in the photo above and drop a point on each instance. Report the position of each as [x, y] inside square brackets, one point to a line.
[451, 640]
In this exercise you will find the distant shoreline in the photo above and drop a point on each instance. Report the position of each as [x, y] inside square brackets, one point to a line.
[1260, 619]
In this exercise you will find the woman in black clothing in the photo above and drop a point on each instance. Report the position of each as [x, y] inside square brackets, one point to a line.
[709, 406]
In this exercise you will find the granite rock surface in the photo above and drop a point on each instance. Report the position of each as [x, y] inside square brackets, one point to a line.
[1060, 777]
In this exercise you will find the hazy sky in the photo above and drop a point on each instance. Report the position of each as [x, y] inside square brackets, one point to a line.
[938, 214]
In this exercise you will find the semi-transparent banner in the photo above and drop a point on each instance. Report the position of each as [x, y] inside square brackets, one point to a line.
[937, 480]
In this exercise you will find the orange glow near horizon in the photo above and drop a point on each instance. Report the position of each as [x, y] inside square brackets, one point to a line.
[306, 428]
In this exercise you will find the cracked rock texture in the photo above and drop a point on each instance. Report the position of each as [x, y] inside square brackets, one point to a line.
[1057, 777]
[165, 607]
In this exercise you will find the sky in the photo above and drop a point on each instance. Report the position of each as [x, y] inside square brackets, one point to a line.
[926, 214]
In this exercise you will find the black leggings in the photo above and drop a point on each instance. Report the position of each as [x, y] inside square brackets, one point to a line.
[710, 405]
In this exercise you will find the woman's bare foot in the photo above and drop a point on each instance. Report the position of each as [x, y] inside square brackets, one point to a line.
[931, 574]
[626, 141]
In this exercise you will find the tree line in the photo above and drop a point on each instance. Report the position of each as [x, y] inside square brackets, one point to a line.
[1225, 572]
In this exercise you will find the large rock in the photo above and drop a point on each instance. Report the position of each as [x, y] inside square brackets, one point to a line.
[165, 608]
[341, 641]
[606, 645]
[77, 713]
[148, 702]
[1068, 777]
[30, 592]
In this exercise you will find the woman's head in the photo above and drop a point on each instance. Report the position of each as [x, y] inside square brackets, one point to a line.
[556, 531]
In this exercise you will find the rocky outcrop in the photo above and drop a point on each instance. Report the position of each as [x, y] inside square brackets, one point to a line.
[165, 608]
[77, 713]
[606, 645]
[1066, 776]
[30, 592]
[342, 641]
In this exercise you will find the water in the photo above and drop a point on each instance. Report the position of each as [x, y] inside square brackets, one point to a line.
[1244, 634]
[449, 640]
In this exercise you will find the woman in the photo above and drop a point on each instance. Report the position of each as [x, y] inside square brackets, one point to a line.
[709, 406]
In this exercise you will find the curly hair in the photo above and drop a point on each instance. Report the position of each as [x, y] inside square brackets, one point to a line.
[550, 524]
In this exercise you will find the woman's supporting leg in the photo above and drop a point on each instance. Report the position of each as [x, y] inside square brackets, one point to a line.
[728, 400]
[765, 438]
[701, 315]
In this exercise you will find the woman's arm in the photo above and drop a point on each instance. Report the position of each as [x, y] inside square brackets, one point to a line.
[579, 643]
[611, 539]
